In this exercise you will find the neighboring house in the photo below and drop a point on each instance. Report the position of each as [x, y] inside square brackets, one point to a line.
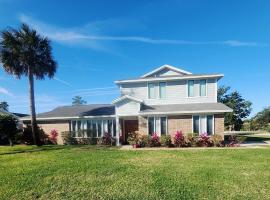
[162, 101]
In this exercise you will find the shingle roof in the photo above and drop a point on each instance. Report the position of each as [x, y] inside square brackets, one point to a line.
[186, 108]
[80, 110]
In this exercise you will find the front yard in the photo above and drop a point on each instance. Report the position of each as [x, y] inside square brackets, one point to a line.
[87, 172]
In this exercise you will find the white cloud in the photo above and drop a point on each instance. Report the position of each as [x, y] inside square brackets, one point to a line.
[93, 39]
[6, 92]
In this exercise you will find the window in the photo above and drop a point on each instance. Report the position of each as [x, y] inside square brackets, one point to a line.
[94, 126]
[114, 128]
[79, 123]
[110, 127]
[151, 91]
[162, 90]
[196, 124]
[163, 125]
[210, 124]
[73, 128]
[151, 125]
[202, 88]
[191, 88]
[99, 127]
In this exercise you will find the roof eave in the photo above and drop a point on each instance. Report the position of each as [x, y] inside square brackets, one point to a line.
[217, 76]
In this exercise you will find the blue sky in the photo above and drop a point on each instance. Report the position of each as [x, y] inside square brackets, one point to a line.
[97, 42]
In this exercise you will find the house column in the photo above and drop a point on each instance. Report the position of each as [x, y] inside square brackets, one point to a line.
[117, 130]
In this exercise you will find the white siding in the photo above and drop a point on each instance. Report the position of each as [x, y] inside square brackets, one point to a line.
[176, 92]
[127, 107]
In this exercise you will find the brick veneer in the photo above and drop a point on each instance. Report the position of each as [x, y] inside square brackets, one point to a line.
[60, 127]
[142, 125]
[180, 123]
[219, 124]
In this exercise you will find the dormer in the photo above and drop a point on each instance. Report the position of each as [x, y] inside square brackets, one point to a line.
[166, 70]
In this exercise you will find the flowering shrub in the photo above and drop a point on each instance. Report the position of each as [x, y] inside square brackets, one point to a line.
[133, 139]
[144, 140]
[204, 141]
[107, 139]
[217, 140]
[166, 140]
[154, 141]
[232, 141]
[179, 139]
[53, 136]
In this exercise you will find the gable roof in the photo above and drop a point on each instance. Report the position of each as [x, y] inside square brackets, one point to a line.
[126, 97]
[163, 67]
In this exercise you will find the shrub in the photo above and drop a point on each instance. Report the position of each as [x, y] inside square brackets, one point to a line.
[107, 139]
[53, 136]
[68, 138]
[179, 139]
[27, 136]
[217, 140]
[204, 141]
[144, 140]
[8, 128]
[133, 138]
[154, 141]
[232, 141]
[166, 140]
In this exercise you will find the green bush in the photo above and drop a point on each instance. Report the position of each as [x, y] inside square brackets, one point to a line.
[27, 136]
[166, 140]
[8, 128]
[217, 140]
[68, 137]
[144, 140]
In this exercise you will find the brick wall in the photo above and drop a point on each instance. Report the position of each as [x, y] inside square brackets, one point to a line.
[219, 124]
[179, 123]
[142, 125]
[60, 127]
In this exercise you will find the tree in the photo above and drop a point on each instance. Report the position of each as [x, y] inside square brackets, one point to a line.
[24, 52]
[8, 128]
[78, 100]
[4, 105]
[261, 120]
[241, 107]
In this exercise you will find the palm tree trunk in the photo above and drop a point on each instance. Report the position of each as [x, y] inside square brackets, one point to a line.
[33, 109]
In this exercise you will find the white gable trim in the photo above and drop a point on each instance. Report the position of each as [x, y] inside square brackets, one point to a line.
[127, 97]
[166, 67]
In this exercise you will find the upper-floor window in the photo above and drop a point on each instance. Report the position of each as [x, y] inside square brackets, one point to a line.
[151, 91]
[162, 90]
[202, 88]
[191, 88]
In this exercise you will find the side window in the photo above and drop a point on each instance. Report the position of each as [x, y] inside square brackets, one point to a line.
[151, 91]
[163, 125]
[151, 125]
[191, 88]
[196, 124]
[162, 90]
[202, 88]
[210, 124]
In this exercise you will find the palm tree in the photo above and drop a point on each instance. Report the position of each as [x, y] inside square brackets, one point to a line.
[24, 52]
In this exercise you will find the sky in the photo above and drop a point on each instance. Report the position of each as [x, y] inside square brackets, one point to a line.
[98, 42]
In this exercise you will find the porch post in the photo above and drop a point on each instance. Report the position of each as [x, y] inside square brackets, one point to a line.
[117, 130]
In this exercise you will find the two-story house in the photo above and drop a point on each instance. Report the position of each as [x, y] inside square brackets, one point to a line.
[162, 101]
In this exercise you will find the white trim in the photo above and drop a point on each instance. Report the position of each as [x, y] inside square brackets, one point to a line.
[165, 67]
[126, 97]
[170, 78]
[184, 112]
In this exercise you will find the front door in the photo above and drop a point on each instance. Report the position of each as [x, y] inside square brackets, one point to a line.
[130, 126]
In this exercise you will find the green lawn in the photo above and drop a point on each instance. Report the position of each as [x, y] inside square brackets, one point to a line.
[85, 172]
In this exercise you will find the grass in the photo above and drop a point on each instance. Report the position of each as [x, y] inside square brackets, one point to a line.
[87, 172]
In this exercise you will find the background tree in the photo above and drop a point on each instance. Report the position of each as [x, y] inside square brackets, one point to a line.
[24, 52]
[241, 107]
[78, 100]
[261, 120]
[8, 128]
[4, 105]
